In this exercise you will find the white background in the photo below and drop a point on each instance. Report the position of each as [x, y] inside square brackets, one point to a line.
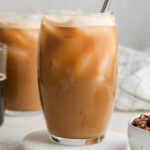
[132, 16]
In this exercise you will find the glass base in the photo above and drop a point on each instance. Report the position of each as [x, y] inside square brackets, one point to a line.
[22, 113]
[75, 142]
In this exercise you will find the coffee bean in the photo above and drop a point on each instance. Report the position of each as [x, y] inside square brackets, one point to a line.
[142, 122]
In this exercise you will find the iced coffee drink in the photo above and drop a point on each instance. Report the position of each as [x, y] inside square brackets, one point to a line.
[77, 75]
[20, 33]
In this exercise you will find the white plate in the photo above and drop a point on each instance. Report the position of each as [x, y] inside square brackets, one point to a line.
[40, 141]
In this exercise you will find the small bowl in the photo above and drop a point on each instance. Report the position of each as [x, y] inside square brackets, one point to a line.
[139, 139]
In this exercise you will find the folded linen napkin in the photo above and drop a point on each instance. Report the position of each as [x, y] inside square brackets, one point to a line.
[133, 92]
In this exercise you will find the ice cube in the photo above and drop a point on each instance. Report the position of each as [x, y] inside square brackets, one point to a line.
[104, 65]
[18, 53]
[31, 33]
[104, 69]
[86, 30]
[100, 79]
[84, 64]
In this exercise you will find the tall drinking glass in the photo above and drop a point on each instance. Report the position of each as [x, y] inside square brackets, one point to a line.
[77, 75]
[3, 54]
[20, 33]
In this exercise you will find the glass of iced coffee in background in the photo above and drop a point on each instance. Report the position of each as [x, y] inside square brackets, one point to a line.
[77, 75]
[20, 33]
[3, 59]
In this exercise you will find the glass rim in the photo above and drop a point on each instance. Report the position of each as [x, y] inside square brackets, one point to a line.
[20, 16]
[77, 18]
[76, 12]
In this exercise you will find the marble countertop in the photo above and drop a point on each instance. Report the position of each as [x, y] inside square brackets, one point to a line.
[15, 128]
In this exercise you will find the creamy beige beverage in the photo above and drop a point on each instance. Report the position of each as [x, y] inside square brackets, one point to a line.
[78, 73]
[21, 36]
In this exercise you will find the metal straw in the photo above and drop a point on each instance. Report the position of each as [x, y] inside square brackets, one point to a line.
[106, 5]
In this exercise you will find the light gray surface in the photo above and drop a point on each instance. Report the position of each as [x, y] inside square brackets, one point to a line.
[132, 16]
[15, 128]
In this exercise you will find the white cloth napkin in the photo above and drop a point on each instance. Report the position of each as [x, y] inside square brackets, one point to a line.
[133, 92]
